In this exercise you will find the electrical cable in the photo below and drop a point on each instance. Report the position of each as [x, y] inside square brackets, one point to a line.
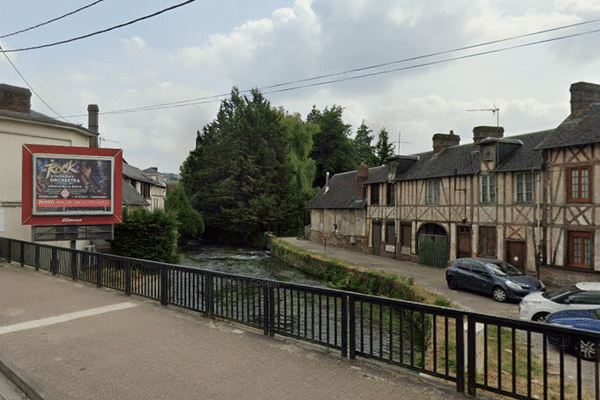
[50, 21]
[28, 85]
[265, 89]
[101, 31]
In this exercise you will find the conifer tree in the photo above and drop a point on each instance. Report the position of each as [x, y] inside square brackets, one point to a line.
[384, 149]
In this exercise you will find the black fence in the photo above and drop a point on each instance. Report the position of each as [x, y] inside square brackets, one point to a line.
[475, 351]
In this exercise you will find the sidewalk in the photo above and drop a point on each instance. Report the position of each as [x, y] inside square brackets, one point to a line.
[101, 344]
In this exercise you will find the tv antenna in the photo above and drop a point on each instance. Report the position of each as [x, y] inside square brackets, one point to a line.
[399, 141]
[494, 110]
[106, 140]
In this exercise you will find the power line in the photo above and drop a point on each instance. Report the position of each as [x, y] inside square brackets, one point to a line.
[28, 85]
[50, 21]
[210, 99]
[101, 31]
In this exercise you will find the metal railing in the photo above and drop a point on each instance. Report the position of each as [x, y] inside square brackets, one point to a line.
[474, 351]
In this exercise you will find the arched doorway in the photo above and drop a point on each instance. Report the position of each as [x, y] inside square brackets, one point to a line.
[433, 245]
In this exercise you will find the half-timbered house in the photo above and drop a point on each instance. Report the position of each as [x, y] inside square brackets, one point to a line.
[530, 199]
[571, 236]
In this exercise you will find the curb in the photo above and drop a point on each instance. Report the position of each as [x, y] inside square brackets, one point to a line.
[13, 376]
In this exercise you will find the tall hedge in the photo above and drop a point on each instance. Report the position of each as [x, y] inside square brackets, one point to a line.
[147, 235]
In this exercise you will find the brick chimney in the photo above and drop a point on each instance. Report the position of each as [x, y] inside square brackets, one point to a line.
[361, 176]
[583, 95]
[13, 98]
[442, 141]
[484, 132]
[93, 110]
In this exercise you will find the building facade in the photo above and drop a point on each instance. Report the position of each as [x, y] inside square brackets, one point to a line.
[20, 125]
[528, 199]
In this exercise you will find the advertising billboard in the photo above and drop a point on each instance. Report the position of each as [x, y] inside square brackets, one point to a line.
[71, 185]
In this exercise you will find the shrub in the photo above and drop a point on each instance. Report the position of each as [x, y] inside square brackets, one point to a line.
[147, 235]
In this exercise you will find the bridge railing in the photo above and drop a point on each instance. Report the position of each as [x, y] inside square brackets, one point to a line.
[474, 351]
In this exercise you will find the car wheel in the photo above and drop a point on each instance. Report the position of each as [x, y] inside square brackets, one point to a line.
[452, 284]
[540, 317]
[499, 294]
[586, 349]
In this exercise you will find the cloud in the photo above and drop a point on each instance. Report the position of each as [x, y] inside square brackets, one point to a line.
[329, 38]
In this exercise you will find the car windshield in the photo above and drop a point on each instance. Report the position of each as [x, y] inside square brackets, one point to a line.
[554, 294]
[503, 268]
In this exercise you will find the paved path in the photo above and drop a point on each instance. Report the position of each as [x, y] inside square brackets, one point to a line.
[434, 279]
[69, 340]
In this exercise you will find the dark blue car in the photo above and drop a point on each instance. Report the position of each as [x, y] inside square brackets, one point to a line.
[495, 277]
[587, 320]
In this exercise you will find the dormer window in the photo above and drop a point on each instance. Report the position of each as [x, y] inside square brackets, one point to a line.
[488, 153]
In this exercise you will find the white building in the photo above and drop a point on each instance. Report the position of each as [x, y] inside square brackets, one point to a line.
[20, 125]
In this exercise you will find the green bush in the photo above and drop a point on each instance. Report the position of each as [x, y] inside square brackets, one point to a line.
[147, 235]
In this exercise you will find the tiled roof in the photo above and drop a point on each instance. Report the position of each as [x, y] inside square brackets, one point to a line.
[525, 157]
[135, 173]
[131, 197]
[377, 175]
[576, 130]
[455, 160]
[342, 193]
[35, 116]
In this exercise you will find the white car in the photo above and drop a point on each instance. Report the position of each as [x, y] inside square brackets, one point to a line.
[538, 305]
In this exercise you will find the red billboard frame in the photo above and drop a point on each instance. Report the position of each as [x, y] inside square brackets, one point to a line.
[28, 214]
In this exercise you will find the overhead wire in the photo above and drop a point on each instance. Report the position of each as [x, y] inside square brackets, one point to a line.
[28, 85]
[101, 31]
[281, 86]
[71, 40]
[50, 21]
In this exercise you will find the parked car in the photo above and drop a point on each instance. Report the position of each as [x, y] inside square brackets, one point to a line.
[498, 278]
[587, 320]
[537, 306]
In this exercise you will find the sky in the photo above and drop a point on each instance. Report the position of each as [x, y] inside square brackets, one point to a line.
[415, 68]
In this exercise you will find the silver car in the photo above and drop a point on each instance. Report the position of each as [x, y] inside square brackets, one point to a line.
[537, 306]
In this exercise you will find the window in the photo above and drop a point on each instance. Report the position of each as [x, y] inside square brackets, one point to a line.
[488, 188]
[145, 190]
[579, 184]
[487, 241]
[433, 191]
[524, 187]
[391, 195]
[464, 265]
[375, 194]
[579, 249]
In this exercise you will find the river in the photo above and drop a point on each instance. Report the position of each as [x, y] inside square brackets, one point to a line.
[246, 262]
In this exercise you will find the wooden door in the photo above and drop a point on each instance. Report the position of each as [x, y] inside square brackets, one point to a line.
[463, 248]
[515, 254]
[377, 238]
